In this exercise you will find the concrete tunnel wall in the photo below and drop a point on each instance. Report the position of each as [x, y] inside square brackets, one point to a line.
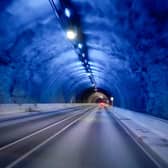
[127, 42]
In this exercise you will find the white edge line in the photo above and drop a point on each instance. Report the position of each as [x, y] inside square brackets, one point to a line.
[43, 143]
[35, 133]
[129, 132]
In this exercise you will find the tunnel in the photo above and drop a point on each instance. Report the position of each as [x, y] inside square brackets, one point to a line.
[83, 83]
[65, 51]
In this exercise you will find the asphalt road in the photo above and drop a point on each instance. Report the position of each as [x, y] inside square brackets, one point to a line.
[85, 138]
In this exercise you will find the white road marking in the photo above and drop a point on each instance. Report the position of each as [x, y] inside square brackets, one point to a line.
[126, 129]
[43, 143]
[35, 133]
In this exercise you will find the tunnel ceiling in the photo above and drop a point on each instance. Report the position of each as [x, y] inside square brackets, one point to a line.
[127, 43]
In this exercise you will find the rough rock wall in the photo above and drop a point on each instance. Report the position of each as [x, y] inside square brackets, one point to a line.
[128, 47]
[135, 31]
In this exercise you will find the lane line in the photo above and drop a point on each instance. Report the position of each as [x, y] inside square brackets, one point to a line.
[128, 132]
[11, 165]
[32, 116]
[37, 132]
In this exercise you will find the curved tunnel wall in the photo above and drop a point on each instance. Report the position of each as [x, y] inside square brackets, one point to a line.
[128, 60]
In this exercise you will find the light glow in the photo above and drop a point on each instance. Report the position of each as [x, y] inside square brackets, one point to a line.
[85, 61]
[80, 45]
[112, 98]
[67, 12]
[71, 34]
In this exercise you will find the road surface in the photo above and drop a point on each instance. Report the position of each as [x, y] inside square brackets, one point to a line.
[81, 137]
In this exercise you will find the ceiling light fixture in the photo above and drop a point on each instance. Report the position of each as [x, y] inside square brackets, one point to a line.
[71, 34]
[83, 55]
[80, 45]
[85, 61]
[67, 12]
